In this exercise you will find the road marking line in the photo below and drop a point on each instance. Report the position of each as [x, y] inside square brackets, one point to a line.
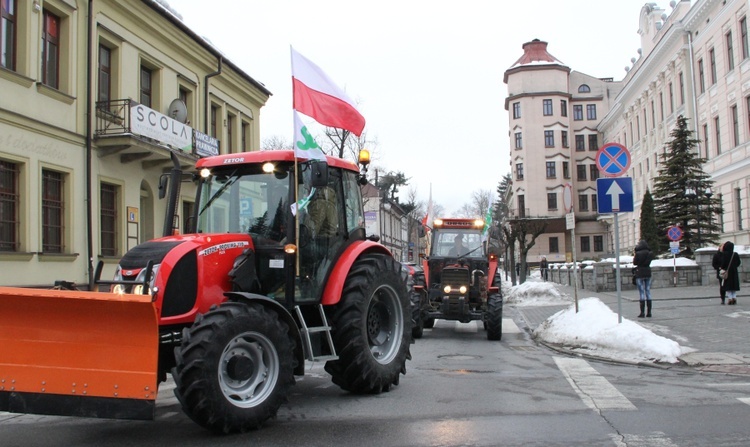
[744, 400]
[655, 439]
[593, 389]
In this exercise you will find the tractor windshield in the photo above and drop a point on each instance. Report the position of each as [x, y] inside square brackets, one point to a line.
[246, 200]
[456, 243]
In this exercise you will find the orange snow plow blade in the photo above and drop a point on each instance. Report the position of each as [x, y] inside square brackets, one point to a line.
[78, 353]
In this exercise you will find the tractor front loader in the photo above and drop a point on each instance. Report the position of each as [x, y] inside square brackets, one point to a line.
[277, 271]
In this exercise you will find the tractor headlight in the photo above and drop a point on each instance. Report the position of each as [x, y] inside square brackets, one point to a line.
[461, 289]
[138, 290]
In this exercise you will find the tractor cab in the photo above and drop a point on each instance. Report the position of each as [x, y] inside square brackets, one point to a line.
[313, 213]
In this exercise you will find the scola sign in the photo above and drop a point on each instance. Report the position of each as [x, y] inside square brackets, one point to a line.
[152, 124]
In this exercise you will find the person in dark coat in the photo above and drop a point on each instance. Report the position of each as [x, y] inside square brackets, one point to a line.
[716, 264]
[642, 260]
[544, 268]
[730, 261]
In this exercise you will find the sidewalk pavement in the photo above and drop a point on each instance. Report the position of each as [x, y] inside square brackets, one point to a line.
[691, 316]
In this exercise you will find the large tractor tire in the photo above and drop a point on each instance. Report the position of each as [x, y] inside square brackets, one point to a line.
[371, 327]
[235, 367]
[417, 329]
[494, 317]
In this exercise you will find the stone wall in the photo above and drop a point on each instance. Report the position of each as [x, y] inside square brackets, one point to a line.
[602, 276]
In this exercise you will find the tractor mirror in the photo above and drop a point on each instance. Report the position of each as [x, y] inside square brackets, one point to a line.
[319, 173]
[163, 181]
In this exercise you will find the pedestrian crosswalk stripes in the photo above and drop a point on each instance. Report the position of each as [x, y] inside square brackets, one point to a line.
[593, 389]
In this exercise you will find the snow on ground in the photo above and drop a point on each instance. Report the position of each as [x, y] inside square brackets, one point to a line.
[536, 293]
[594, 329]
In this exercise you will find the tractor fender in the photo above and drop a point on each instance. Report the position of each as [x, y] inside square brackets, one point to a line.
[335, 284]
[286, 317]
[426, 270]
[491, 273]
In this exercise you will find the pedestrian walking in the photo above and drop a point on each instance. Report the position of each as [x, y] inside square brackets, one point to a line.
[518, 269]
[642, 258]
[544, 268]
[716, 264]
[730, 263]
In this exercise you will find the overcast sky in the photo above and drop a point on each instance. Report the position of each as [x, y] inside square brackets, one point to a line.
[427, 75]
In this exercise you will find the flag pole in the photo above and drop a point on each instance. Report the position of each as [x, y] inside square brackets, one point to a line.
[296, 181]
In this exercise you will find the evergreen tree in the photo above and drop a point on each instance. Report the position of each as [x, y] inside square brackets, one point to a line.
[500, 218]
[649, 229]
[501, 210]
[682, 169]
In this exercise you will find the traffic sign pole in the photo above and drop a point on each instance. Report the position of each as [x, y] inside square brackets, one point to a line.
[617, 267]
[613, 160]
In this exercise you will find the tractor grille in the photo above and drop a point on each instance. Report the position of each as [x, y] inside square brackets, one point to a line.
[455, 277]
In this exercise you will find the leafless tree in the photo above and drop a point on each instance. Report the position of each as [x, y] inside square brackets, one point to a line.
[481, 200]
[527, 230]
[274, 143]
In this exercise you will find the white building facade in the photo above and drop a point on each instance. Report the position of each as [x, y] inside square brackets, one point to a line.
[695, 62]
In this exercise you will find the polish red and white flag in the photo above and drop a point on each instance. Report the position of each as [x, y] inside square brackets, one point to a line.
[318, 97]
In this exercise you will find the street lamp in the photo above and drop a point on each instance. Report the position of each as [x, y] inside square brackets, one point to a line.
[694, 194]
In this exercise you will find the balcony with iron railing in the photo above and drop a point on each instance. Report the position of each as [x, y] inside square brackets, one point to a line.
[114, 134]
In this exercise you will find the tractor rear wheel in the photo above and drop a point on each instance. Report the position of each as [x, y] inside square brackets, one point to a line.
[234, 368]
[494, 317]
[371, 327]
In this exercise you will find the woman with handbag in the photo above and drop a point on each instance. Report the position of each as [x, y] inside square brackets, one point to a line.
[716, 264]
[729, 271]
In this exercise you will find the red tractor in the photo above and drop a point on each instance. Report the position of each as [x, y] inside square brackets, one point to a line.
[460, 278]
[276, 271]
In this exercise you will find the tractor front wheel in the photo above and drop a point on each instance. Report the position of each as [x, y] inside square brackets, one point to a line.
[371, 327]
[494, 317]
[234, 368]
[417, 329]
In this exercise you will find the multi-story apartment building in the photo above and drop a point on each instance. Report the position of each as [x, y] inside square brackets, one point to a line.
[554, 113]
[94, 103]
[695, 62]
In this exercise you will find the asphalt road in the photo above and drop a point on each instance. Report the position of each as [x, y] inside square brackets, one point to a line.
[460, 390]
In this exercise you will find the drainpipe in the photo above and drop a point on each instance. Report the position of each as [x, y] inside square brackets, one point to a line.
[89, 119]
[692, 83]
[205, 96]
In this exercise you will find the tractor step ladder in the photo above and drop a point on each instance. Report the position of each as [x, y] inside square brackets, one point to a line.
[307, 331]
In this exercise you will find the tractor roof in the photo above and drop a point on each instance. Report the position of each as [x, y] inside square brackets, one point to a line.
[266, 156]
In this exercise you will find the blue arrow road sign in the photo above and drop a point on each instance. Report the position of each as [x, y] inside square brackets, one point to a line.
[614, 195]
[613, 160]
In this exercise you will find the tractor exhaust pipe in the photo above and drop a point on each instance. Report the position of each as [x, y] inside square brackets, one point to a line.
[175, 181]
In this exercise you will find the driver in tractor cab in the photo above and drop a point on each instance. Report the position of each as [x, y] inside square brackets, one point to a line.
[458, 249]
[323, 212]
